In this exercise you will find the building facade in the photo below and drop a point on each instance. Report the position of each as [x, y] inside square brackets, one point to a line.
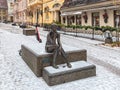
[3, 10]
[51, 10]
[91, 12]
[20, 11]
[34, 9]
[37, 11]
[10, 10]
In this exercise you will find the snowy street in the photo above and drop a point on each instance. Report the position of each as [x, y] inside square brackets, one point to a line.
[16, 75]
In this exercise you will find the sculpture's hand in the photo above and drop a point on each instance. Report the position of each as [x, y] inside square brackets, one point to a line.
[60, 48]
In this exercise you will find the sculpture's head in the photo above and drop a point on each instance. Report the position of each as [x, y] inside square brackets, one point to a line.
[53, 27]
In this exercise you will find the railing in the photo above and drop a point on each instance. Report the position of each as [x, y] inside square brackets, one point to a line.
[90, 33]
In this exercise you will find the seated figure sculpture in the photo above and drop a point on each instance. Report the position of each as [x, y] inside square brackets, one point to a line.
[53, 45]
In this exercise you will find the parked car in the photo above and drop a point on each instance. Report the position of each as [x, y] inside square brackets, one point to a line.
[23, 25]
[14, 24]
[5, 21]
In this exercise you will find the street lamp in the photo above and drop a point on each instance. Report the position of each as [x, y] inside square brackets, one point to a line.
[37, 16]
[42, 13]
[94, 24]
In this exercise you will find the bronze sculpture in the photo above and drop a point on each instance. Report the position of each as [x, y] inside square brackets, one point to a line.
[53, 45]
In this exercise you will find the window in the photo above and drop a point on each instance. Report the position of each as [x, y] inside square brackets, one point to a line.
[117, 18]
[95, 19]
[47, 15]
[4, 12]
[56, 5]
[78, 19]
[71, 20]
[11, 4]
[63, 19]
[46, 10]
[4, 18]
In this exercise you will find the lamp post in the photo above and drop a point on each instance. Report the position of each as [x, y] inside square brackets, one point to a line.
[42, 13]
[93, 29]
[37, 16]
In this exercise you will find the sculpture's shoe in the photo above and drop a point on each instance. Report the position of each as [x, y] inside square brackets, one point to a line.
[55, 66]
[69, 65]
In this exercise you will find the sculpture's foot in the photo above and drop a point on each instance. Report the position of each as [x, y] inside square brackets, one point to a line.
[55, 66]
[40, 41]
[69, 65]
[20, 52]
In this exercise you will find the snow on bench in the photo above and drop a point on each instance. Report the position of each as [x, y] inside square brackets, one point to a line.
[79, 70]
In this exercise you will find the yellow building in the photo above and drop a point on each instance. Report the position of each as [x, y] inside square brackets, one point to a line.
[34, 8]
[43, 11]
[51, 10]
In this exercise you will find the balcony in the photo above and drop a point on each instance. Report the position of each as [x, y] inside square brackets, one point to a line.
[34, 2]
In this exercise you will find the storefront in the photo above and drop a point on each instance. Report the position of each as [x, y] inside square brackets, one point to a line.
[71, 18]
[97, 13]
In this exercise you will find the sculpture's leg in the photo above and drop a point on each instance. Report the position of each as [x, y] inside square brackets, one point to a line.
[65, 56]
[54, 58]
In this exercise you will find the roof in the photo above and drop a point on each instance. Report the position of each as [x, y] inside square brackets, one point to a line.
[3, 4]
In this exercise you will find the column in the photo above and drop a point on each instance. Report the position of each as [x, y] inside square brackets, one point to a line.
[66, 21]
[62, 19]
[57, 16]
[75, 19]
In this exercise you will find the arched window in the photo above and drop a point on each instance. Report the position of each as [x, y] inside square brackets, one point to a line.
[56, 5]
[46, 10]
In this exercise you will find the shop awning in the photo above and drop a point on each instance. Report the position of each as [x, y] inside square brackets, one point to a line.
[71, 13]
[102, 8]
[90, 9]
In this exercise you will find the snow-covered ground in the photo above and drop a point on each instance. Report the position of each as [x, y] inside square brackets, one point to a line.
[16, 75]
